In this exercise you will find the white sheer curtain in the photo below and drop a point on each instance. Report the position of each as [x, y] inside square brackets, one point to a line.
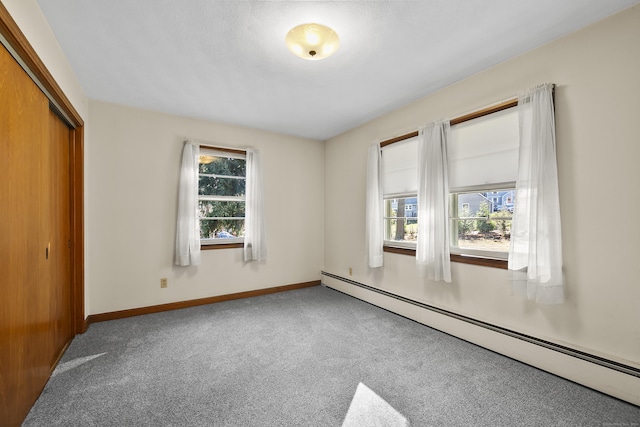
[375, 207]
[535, 253]
[187, 228]
[255, 243]
[432, 251]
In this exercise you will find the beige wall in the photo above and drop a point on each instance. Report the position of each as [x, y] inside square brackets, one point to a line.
[132, 191]
[598, 137]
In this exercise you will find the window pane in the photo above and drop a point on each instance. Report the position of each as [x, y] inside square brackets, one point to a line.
[209, 209]
[222, 166]
[402, 230]
[471, 236]
[401, 223]
[482, 221]
[210, 186]
[221, 228]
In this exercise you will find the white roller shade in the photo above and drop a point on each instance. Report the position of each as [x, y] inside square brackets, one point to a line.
[400, 168]
[484, 151]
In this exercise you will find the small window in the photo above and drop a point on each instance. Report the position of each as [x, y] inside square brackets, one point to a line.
[221, 196]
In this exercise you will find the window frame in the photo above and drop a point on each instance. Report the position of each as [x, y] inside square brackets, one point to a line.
[478, 258]
[221, 243]
[407, 244]
[453, 216]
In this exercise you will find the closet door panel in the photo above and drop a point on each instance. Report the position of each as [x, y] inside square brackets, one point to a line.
[25, 278]
[60, 235]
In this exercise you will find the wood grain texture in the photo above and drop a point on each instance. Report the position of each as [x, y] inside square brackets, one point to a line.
[35, 228]
[485, 111]
[24, 284]
[464, 259]
[14, 36]
[222, 246]
[42, 200]
[60, 232]
[76, 166]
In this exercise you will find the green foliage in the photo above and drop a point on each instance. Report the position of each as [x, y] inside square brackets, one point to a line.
[502, 221]
[465, 226]
[485, 226]
[224, 166]
[228, 180]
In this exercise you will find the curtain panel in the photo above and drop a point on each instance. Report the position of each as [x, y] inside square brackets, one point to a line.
[432, 248]
[187, 228]
[374, 221]
[255, 242]
[535, 254]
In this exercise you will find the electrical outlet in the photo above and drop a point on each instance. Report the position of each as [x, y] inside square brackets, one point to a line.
[163, 282]
[350, 271]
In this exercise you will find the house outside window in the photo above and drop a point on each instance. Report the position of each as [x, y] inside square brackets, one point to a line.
[221, 195]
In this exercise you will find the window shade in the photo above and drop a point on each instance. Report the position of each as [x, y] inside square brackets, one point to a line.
[484, 151]
[400, 168]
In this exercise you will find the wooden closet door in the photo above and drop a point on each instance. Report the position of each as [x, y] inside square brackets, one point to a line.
[34, 228]
[60, 236]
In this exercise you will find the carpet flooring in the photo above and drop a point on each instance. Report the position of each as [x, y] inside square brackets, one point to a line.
[296, 359]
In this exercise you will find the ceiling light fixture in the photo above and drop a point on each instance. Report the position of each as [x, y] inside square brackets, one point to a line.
[312, 41]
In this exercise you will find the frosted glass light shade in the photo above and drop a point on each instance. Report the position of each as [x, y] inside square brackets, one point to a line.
[312, 41]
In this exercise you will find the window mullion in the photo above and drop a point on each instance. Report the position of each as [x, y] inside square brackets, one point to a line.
[213, 175]
[222, 198]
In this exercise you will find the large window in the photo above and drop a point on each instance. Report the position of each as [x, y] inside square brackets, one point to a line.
[221, 196]
[483, 168]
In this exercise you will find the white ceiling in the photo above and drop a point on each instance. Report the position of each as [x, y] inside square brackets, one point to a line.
[226, 61]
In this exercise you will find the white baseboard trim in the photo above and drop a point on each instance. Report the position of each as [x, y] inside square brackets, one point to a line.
[612, 379]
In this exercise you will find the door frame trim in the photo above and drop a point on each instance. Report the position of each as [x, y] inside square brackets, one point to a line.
[27, 56]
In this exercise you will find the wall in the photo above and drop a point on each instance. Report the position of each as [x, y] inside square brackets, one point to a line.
[596, 71]
[132, 190]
